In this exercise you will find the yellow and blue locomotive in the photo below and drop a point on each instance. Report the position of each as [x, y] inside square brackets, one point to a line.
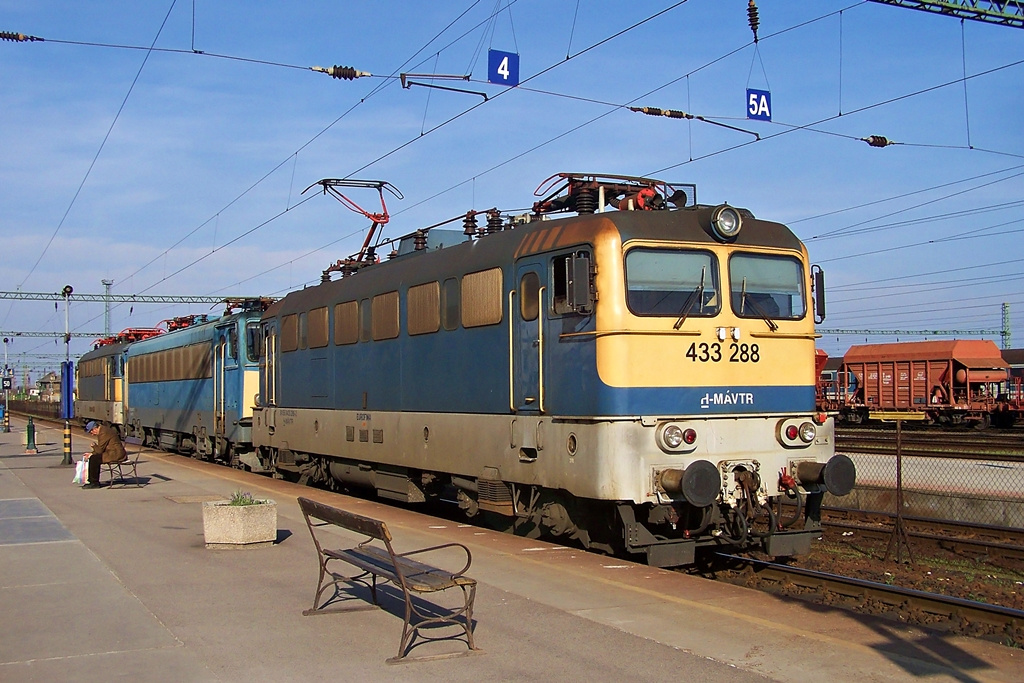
[636, 377]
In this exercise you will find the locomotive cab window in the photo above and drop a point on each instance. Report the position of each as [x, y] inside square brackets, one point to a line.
[672, 282]
[767, 286]
[232, 349]
[253, 341]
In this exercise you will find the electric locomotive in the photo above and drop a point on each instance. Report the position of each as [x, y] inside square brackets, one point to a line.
[192, 389]
[100, 384]
[637, 377]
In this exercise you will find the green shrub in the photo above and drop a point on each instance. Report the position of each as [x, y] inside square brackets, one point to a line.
[243, 498]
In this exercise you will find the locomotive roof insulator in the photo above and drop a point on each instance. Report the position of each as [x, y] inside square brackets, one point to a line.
[726, 223]
[469, 225]
[494, 222]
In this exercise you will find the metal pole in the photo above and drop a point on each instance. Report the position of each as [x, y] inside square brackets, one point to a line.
[106, 306]
[899, 536]
[8, 380]
[68, 460]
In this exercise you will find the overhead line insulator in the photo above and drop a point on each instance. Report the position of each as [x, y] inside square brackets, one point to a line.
[878, 141]
[752, 18]
[655, 111]
[347, 73]
[18, 37]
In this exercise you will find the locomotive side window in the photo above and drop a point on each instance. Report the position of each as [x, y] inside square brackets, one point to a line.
[529, 287]
[187, 362]
[481, 298]
[317, 332]
[675, 283]
[303, 330]
[765, 286]
[423, 309]
[385, 316]
[450, 295]
[289, 333]
[365, 320]
[346, 323]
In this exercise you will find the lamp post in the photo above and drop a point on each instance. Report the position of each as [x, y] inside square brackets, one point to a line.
[7, 391]
[66, 377]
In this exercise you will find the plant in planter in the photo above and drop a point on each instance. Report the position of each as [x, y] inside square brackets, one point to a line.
[241, 522]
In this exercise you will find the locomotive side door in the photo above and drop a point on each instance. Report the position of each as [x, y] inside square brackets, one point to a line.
[225, 366]
[526, 316]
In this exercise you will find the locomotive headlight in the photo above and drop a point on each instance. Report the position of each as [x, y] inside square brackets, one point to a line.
[807, 432]
[674, 438]
[796, 433]
[726, 223]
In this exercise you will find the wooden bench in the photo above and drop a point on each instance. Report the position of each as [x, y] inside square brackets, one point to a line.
[129, 464]
[375, 557]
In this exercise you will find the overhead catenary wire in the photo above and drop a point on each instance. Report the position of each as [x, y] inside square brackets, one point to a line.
[474, 174]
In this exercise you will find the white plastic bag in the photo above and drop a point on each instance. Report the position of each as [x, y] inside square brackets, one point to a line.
[81, 473]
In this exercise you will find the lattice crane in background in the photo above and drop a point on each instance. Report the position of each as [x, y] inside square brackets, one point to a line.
[1007, 13]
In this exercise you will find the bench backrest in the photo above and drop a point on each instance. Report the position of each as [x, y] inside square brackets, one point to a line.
[347, 520]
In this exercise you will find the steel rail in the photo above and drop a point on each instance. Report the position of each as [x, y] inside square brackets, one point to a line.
[951, 542]
[892, 596]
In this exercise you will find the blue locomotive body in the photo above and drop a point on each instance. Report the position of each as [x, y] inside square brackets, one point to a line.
[192, 389]
[631, 380]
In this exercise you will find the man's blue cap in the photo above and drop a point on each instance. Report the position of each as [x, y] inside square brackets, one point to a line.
[91, 425]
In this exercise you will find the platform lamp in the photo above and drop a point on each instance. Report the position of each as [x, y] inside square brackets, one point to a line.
[7, 391]
[67, 378]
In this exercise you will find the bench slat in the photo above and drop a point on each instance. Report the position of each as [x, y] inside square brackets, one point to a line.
[348, 520]
[419, 577]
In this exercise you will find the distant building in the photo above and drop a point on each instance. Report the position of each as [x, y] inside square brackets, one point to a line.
[1015, 359]
[49, 387]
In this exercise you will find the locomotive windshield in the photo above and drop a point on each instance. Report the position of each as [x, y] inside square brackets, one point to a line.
[767, 286]
[667, 282]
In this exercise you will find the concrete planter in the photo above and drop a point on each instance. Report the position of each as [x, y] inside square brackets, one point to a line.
[239, 526]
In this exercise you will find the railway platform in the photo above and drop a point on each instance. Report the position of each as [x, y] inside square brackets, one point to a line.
[118, 583]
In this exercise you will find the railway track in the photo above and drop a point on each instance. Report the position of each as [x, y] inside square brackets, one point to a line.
[933, 444]
[908, 605]
[981, 542]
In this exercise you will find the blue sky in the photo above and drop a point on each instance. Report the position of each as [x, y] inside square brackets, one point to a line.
[196, 189]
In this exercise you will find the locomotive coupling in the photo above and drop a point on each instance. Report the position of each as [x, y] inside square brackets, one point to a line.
[838, 475]
[700, 483]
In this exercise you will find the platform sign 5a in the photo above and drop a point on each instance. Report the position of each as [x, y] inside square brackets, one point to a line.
[759, 105]
[502, 67]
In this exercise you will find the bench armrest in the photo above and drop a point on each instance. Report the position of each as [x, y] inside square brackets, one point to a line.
[469, 556]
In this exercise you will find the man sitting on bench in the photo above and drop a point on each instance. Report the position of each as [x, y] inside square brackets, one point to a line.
[108, 448]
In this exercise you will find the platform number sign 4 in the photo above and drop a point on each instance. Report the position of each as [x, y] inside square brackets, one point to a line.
[502, 67]
[759, 105]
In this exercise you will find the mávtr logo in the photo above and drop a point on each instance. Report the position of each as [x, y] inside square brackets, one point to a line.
[726, 398]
